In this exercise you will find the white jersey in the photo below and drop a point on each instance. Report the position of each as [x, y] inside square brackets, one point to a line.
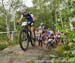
[37, 33]
[41, 28]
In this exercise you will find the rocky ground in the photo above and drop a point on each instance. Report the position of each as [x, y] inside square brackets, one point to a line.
[13, 54]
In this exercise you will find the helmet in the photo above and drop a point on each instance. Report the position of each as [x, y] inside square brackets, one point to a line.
[23, 9]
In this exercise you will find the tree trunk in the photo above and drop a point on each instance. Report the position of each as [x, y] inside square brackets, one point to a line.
[70, 24]
[8, 30]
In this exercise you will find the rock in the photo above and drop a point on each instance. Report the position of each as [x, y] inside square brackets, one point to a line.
[16, 55]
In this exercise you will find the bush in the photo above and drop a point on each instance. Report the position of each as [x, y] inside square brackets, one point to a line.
[3, 46]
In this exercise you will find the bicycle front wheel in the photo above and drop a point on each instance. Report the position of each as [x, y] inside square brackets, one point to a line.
[23, 40]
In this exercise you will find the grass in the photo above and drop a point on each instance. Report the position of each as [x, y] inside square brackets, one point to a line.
[5, 44]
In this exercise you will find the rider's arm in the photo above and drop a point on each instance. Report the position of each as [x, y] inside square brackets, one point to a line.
[33, 17]
[20, 18]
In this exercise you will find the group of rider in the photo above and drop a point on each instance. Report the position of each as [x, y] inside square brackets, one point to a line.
[41, 34]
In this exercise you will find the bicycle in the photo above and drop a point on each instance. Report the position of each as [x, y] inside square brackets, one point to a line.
[25, 37]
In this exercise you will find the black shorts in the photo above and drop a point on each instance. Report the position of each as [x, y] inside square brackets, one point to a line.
[30, 24]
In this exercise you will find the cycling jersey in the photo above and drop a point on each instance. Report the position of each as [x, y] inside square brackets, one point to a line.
[28, 17]
[47, 33]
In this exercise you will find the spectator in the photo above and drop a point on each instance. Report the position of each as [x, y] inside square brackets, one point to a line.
[37, 35]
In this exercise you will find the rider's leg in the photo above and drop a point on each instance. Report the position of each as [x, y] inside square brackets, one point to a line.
[29, 27]
[33, 31]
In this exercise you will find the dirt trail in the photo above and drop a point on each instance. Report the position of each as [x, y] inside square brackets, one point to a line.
[16, 55]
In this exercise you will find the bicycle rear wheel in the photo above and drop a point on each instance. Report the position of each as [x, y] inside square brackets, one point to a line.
[23, 40]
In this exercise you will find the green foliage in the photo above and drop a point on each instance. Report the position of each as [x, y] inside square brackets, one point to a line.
[52, 56]
[2, 24]
[73, 23]
[71, 60]
[3, 46]
[66, 47]
[3, 37]
[71, 36]
[4, 43]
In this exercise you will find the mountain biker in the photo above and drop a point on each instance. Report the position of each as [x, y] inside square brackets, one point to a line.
[29, 18]
[41, 26]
